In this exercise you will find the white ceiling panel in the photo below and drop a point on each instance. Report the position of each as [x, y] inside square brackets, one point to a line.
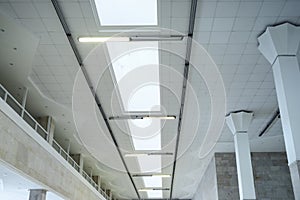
[228, 30]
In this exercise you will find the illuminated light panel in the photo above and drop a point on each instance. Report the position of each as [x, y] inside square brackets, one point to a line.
[152, 175]
[102, 39]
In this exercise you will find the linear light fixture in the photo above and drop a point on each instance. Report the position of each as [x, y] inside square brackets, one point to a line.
[102, 39]
[157, 38]
[136, 154]
[152, 175]
[149, 154]
[131, 38]
[160, 117]
[126, 117]
[151, 189]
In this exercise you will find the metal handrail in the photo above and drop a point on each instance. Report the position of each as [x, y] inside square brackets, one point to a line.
[60, 150]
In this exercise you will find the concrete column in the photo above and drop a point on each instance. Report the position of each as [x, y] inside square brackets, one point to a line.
[78, 158]
[24, 100]
[37, 194]
[238, 122]
[48, 124]
[280, 46]
[109, 193]
[97, 180]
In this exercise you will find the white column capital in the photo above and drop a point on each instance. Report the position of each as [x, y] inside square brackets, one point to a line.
[239, 121]
[280, 40]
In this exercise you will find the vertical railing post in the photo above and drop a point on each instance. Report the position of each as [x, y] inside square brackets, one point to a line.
[5, 96]
[24, 100]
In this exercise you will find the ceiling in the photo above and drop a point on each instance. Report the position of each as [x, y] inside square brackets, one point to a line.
[227, 31]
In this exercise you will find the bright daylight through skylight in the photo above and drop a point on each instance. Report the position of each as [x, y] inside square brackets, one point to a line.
[127, 13]
[137, 78]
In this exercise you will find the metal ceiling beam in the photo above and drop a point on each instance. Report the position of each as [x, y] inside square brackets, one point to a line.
[79, 59]
[270, 123]
[184, 84]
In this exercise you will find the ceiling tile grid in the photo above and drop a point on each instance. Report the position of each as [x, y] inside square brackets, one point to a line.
[40, 18]
[228, 30]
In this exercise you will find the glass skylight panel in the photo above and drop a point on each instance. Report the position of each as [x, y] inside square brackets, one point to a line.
[145, 137]
[136, 73]
[155, 194]
[127, 13]
[151, 164]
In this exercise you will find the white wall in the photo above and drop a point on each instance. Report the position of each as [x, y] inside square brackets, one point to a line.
[207, 189]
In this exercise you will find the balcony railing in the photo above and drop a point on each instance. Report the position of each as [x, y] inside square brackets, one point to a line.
[31, 121]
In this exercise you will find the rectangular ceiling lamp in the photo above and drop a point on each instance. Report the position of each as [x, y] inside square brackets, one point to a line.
[126, 117]
[149, 154]
[157, 38]
[102, 39]
[152, 189]
[127, 13]
[152, 175]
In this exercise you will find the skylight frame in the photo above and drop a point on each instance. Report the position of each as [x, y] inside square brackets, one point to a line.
[117, 29]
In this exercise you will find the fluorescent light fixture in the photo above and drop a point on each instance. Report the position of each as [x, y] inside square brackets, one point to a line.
[149, 154]
[102, 39]
[157, 38]
[152, 175]
[160, 117]
[127, 39]
[127, 117]
[162, 175]
[136, 154]
[151, 189]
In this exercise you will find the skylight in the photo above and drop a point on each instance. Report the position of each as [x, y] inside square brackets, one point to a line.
[137, 77]
[151, 164]
[137, 74]
[127, 13]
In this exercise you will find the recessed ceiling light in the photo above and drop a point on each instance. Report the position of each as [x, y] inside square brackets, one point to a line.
[102, 39]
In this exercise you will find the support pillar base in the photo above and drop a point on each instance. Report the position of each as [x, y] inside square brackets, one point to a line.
[295, 176]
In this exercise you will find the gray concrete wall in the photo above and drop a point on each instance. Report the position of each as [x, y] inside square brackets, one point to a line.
[39, 161]
[227, 182]
[207, 189]
[271, 176]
